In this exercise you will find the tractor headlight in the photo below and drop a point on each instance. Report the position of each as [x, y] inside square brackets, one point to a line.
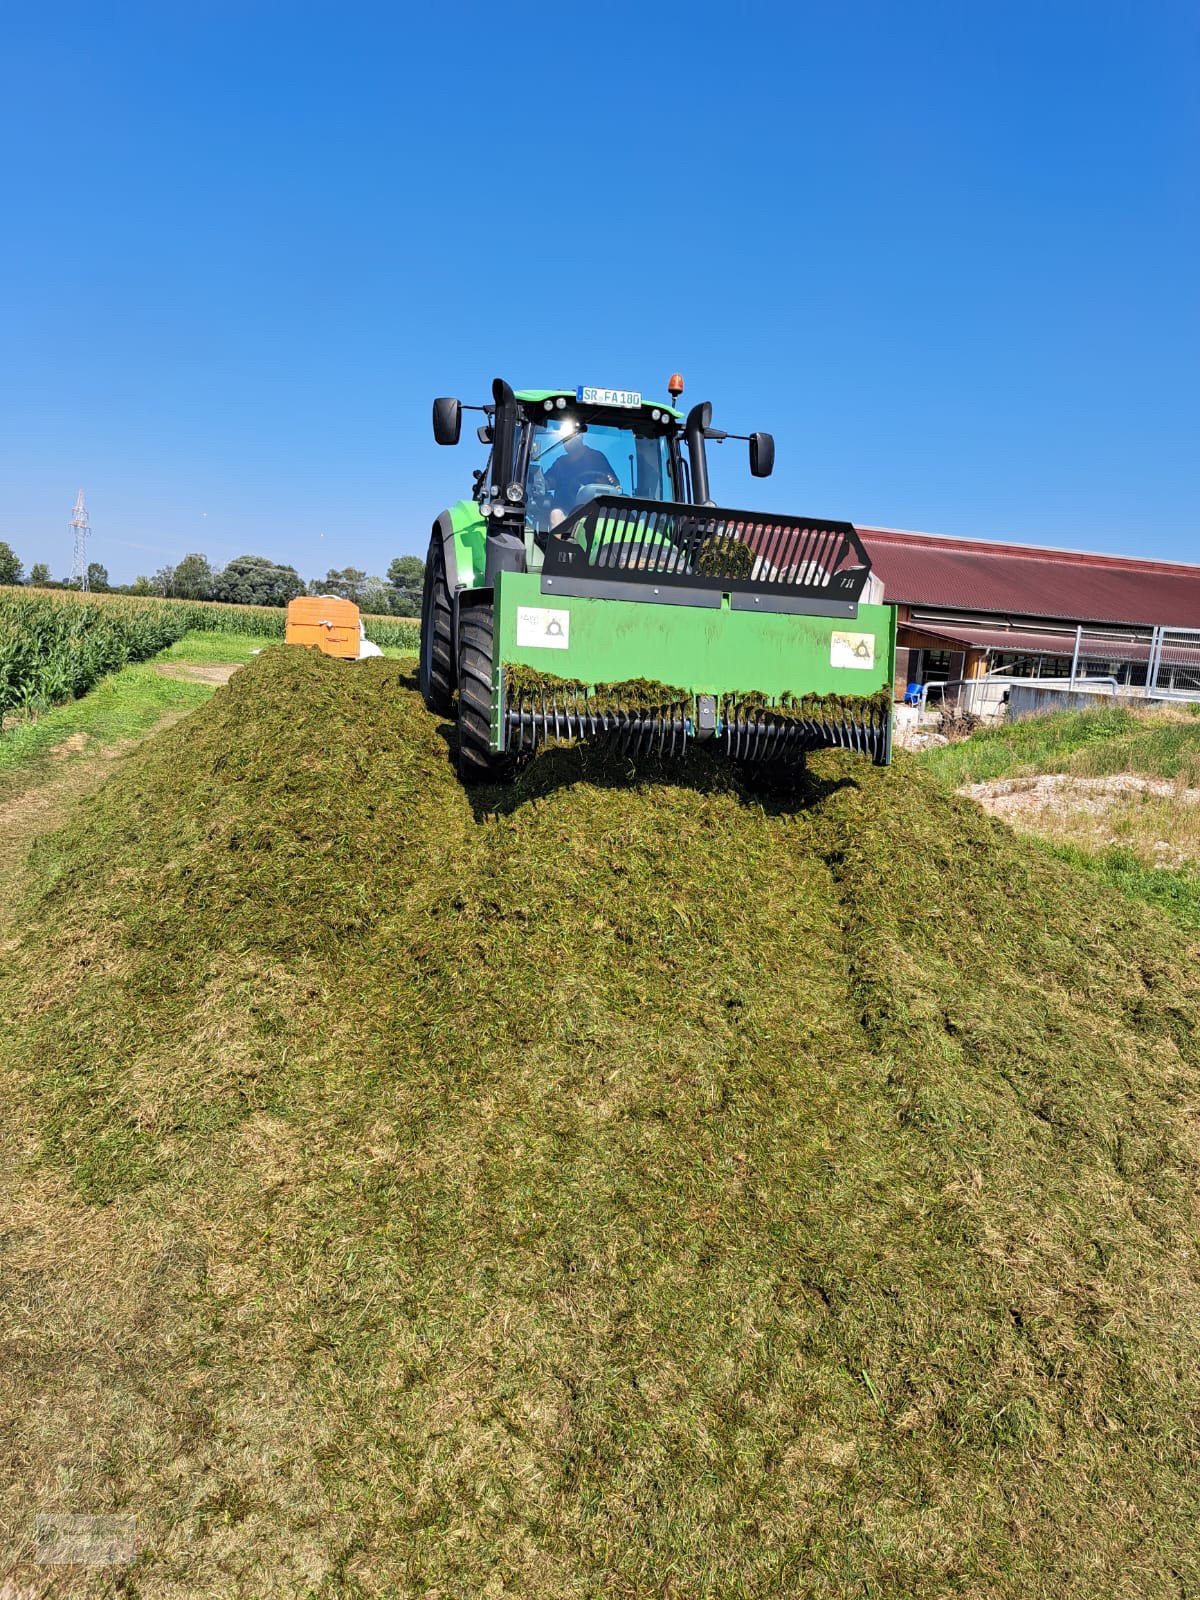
[513, 494]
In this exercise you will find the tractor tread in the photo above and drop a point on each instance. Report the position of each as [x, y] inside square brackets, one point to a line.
[437, 634]
[477, 762]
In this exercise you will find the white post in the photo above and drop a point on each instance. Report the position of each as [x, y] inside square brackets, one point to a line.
[1075, 657]
[1152, 662]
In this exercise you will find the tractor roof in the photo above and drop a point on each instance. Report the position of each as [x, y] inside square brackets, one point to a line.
[536, 396]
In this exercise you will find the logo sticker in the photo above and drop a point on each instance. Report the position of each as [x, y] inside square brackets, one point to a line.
[852, 650]
[542, 629]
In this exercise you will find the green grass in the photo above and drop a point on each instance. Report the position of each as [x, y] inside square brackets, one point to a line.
[209, 647]
[124, 705]
[1089, 743]
[1095, 744]
[618, 1186]
[1173, 890]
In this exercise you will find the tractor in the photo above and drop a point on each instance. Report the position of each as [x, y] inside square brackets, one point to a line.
[588, 588]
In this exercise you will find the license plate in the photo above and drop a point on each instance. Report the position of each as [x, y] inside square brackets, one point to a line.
[608, 397]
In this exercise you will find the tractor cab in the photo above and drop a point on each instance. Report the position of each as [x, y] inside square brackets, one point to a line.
[554, 450]
[566, 458]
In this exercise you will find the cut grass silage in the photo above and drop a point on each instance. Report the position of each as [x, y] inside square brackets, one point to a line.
[636, 1191]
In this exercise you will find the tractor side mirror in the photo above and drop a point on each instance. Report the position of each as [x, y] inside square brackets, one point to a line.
[447, 421]
[762, 455]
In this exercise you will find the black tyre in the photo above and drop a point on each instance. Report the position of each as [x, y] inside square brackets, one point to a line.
[476, 761]
[436, 677]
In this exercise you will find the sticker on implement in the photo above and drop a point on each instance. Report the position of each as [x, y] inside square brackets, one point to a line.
[852, 650]
[542, 629]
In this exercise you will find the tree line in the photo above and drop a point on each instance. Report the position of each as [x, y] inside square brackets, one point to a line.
[245, 581]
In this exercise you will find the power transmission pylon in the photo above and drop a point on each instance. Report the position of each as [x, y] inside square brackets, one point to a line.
[81, 528]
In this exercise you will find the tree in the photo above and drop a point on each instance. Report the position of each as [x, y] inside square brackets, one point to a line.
[406, 572]
[10, 568]
[140, 585]
[406, 575]
[348, 584]
[375, 596]
[39, 574]
[256, 581]
[97, 578]
[163, 582]
[193, 578]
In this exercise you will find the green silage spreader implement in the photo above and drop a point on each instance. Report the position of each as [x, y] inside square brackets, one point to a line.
[589, 589]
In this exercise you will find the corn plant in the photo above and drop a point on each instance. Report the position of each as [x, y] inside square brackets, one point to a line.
[54, 645]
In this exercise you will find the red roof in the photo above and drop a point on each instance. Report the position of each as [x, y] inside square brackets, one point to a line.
[928, 569]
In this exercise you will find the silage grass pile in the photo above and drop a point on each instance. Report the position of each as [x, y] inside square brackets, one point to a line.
[637, 1188]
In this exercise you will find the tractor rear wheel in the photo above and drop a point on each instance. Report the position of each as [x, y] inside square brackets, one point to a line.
[436, 677]
[477, 762]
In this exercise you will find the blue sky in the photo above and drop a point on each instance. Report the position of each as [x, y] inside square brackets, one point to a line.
[947, 253]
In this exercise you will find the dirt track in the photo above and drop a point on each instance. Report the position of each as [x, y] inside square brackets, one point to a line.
[43, 807]
[1156, 818]
[80, 767]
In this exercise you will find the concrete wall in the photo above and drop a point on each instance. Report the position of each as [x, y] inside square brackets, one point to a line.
[1030, 699]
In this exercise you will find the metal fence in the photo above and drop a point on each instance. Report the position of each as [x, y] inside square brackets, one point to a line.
[1157, 663]
[1174, 664]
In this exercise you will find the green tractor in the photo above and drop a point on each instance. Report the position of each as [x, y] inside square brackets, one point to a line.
[589, 589]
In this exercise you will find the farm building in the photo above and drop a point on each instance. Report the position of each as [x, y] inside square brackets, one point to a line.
[984, 622]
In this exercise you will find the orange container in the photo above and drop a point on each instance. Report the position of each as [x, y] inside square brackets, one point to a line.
[329, 623]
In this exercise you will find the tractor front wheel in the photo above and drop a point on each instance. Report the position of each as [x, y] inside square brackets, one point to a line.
[436, 677]
[477, 762]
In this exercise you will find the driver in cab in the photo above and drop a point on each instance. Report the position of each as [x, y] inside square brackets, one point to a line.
[578, 465]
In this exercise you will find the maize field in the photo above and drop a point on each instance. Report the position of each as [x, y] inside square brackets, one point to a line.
[55, 644]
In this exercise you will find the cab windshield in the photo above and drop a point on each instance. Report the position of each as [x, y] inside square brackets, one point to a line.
[571, 462]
